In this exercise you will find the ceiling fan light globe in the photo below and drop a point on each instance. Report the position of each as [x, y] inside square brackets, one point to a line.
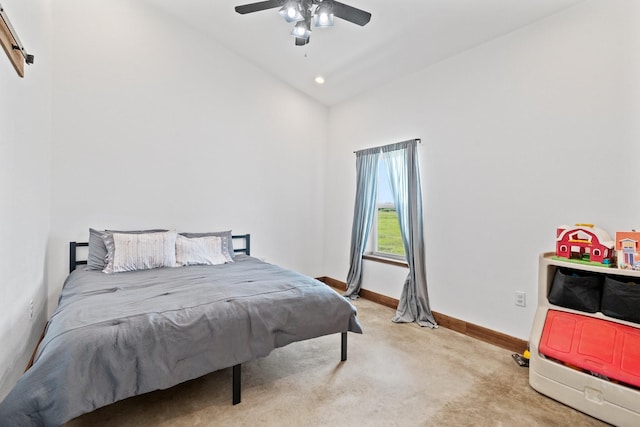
[301, 31]
[291, 12]
[323, 19]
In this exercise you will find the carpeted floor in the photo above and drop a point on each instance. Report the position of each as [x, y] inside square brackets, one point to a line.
[395, 375]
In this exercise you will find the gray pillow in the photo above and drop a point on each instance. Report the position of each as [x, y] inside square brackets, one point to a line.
[96, 260]
[227, 241]
[97, 250]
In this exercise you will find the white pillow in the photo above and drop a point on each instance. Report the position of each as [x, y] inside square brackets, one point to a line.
[129, 252]
[199, 250]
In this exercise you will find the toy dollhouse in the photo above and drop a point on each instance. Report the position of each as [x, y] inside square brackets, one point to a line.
[584, 243]
[628, 250]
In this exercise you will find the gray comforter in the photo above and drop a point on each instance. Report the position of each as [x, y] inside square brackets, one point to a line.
[120, 335]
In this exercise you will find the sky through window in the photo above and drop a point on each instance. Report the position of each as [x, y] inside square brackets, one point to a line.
[384, 190]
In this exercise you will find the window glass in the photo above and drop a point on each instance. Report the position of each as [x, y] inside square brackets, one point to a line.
[388, 240]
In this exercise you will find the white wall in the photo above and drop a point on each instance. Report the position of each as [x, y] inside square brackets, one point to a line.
[520, 135]
[25, 140]
[157, 126]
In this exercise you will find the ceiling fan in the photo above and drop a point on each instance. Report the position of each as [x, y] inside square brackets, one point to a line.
[303, 11]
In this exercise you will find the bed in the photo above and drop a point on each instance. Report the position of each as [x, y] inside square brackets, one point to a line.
[114, 336]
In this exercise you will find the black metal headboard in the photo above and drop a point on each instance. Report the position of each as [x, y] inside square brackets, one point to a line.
[74, 262]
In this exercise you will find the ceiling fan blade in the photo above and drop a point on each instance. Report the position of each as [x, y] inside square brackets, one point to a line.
[261, 5]
[351, 14]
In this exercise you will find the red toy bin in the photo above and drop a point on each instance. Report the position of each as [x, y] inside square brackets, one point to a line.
[605, 348]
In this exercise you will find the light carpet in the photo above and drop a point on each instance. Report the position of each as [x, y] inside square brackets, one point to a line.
[395, 375]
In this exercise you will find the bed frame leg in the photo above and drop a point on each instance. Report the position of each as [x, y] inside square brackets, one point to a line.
[236, 383]
[237, 370]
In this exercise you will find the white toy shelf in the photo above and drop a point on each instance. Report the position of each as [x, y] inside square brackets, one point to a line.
[609, 401]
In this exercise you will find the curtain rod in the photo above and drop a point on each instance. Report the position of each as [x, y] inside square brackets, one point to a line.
[18, 46]
[418, 140]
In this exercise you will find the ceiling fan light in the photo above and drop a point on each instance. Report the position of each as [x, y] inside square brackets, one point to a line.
[301, 30]
[291, 12]
[323, 17]
[321, 20]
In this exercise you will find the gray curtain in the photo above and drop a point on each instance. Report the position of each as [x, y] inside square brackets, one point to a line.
[365, 205]
[404, 175]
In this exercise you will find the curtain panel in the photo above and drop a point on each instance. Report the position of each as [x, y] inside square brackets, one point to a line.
[404, 177]
[366, 194]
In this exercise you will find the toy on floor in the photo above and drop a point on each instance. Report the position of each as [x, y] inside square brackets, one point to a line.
[586, 244]
[522, 359]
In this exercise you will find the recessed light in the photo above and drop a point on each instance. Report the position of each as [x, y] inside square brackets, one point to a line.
[319, 80]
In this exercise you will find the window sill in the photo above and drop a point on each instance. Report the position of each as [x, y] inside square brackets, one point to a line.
[384, 260]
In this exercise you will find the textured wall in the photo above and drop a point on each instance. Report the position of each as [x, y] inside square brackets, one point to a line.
[157, 126]
[25, 158]
[520, 135]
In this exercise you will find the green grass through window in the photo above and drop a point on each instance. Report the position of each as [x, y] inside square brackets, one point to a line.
[389, 238]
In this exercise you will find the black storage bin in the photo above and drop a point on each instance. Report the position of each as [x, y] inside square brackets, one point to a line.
[621, 298]
[579, 290]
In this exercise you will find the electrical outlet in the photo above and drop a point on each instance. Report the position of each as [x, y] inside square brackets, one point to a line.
[521, 299]
[30, 309]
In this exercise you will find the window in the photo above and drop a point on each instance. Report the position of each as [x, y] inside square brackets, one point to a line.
[387, 240]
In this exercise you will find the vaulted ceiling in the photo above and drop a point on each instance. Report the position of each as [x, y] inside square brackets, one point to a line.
[403, 37]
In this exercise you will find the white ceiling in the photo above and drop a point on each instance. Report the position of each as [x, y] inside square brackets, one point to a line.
[403, 37]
